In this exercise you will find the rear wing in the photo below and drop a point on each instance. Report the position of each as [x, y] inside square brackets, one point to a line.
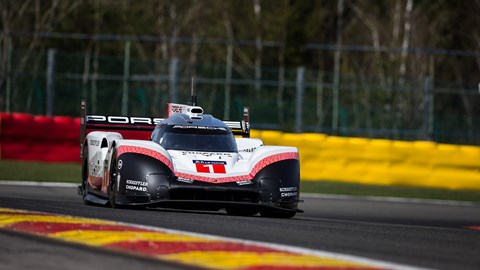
[139, 128]
[142, 127]
[240, 128]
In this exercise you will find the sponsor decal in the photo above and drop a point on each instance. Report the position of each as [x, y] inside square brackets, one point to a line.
[176, 108]
[244, 182]
[136, 185]
[94, 142]
[184, 180]
[123, 120]
[207, 154]
[199, 127]
[288, 191]
[210, 166]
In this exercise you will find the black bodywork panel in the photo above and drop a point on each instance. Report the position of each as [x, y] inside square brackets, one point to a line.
[146, 181]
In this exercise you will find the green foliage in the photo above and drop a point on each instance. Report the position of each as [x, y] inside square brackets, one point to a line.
[379, 90]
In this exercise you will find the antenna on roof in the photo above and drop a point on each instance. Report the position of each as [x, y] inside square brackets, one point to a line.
[193, 97]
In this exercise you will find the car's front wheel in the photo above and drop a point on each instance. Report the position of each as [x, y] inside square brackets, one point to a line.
[112, 181]
[85, 175]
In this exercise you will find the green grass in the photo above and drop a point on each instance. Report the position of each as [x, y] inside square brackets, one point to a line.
[70, 172]
[40, 171]
[333, 187]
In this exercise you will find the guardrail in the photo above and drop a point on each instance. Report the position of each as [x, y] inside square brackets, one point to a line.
[322, 157]
[42, 138]
[382, 162]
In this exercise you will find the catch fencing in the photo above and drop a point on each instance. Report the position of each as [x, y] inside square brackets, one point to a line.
[52, 82]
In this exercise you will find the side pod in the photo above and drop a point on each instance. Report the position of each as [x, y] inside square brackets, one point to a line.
[280, 183]
[140, 179]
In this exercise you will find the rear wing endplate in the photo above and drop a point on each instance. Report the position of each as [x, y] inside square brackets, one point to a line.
[241, 128]
[129, 127]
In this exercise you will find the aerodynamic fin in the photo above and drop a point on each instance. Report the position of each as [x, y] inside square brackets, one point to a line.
[129, 127]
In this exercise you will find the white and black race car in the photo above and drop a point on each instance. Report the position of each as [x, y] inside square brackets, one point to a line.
[188, 160]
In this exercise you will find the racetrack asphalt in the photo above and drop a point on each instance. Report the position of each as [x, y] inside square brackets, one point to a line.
[426, 234]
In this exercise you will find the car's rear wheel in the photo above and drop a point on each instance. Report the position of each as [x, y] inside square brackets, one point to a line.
[241, 211]
[277, 214]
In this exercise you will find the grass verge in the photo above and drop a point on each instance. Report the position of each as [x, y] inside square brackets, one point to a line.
[40, 171]
[334, 187]
[70, 172]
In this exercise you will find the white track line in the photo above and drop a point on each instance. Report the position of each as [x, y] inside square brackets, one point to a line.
[37, 184]
[303, 195]
[298, 250]
[387, 199]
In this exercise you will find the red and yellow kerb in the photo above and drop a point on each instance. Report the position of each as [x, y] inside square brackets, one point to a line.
[166, 245]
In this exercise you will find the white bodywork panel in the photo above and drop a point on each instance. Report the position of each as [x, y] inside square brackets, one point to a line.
[212, 165]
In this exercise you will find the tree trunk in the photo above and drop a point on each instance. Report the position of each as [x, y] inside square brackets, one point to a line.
[160, 59]
[375, 40]
[336, 75]
[407, 26]
[258, 46]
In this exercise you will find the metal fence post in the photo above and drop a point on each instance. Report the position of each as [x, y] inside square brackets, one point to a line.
[228, 81]
[50, 78]
[337, 63]
[126, 77]
[428, 109]
[173, 79]
[8, 95]
[300, 89]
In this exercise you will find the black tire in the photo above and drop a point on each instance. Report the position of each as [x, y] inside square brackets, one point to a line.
[85, 176]
[241, 211]
[112, 181]
[277, 214]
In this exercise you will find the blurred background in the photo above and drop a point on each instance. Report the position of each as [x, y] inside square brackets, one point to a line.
[394, 69]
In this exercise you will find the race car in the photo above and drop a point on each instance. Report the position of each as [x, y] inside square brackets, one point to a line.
[188, 160]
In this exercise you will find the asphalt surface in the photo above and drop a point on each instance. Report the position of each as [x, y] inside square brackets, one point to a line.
[420, 233]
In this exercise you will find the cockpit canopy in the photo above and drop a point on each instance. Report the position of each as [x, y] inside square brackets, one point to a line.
[205, 135]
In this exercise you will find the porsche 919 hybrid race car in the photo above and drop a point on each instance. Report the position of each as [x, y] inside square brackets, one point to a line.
[188, 160]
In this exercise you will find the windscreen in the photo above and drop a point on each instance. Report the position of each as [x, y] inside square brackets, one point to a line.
[195, 138]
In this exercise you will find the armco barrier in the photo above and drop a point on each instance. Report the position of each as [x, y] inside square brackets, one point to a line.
[322, 157]
[42, 138]
[384, 162]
